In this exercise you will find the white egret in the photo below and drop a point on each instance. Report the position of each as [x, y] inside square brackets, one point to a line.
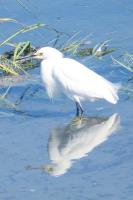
[76, 81]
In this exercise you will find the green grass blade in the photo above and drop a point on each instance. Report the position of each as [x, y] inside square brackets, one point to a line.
[24, 47]
[2, 20]
[16, 51]
[8, 70]
[122, 64]
[23, 30]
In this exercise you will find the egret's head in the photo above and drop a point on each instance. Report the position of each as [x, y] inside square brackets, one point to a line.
[57, 169]
[44, 53]
[47, 53]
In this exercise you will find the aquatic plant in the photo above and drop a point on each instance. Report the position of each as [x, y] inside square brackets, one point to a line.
[81, 48]
[125, 61]
[8, 61]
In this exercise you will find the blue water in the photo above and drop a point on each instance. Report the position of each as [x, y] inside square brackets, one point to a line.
[92, 165]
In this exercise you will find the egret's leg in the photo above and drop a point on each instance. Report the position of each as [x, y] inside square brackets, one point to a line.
[79, 109]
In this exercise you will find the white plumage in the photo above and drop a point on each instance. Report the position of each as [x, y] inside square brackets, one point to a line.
[76, 81]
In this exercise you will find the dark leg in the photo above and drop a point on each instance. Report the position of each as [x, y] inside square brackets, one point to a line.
[79, 110]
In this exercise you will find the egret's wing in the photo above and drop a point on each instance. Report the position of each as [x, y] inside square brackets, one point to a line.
[78, 79]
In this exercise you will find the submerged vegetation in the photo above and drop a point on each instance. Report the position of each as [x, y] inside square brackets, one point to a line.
[125, 61]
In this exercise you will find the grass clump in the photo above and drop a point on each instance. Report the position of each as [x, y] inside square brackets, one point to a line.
[8, 61]
[9, 65]
[82, 49]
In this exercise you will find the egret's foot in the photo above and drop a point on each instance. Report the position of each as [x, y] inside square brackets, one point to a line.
[77, 120]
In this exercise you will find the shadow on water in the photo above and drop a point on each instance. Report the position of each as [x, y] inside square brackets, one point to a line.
[75, 140]
[31, 114]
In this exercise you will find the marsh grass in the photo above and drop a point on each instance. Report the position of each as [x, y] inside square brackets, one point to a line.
[5, 101]
[9, 66]
[82, 48]
[125, 61]
[8, 61]
[21, 31]
[3, 20]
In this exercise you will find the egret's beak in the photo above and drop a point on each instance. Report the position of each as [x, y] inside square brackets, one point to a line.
[27, 57]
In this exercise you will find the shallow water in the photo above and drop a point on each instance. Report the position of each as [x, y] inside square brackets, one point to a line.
[44, 152]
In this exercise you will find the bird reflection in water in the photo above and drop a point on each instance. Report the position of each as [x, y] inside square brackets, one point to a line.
[76, 140]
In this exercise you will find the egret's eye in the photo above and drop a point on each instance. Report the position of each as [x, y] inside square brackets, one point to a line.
[40, 54]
